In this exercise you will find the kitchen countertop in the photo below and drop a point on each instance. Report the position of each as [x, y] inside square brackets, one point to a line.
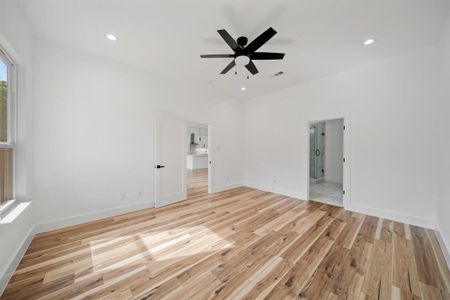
[198, 154]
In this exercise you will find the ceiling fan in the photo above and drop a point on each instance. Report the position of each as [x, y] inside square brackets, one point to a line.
[244, 54]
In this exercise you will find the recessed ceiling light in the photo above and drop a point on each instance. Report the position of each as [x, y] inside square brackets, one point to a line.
[243, 88]
[369, 42]
[111, 37]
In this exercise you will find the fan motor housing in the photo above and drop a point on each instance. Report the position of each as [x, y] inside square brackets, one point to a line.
[242, 41]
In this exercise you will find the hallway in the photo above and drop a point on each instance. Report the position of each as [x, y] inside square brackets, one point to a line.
[197, 182]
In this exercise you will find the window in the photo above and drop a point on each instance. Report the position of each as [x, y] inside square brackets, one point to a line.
[7, 126]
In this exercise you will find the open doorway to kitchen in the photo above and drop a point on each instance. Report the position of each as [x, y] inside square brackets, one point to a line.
[197, 160]
[326, 161]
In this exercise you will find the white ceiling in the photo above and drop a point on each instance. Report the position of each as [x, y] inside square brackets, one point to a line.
[166, 37]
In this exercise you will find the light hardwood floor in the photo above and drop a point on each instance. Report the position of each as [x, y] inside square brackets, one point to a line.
[238, 244]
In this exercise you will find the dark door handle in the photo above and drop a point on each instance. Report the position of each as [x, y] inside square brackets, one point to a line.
[159, 166]
[317, 152]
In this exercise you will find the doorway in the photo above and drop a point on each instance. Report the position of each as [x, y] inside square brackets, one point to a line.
[326, 161]
[197, 159]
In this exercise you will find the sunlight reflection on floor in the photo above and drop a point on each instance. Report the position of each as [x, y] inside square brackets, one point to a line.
[109, 254]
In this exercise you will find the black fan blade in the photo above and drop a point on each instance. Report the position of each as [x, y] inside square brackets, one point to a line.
[228, 39]
[216, 55]
[260, 40]
[252, 68]
[267, 55]
[229, 67]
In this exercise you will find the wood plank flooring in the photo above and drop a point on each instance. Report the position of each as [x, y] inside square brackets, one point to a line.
[238, 244]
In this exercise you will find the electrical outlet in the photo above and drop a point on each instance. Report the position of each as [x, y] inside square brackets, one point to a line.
[140, 193]
[123, 196]
[274, 181]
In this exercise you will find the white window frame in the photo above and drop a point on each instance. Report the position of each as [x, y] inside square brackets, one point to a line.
[11, 123]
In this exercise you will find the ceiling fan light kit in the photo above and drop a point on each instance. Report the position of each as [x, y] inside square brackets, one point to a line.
[244, 54]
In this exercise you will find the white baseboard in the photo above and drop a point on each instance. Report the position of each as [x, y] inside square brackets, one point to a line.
[398, 217]
[97, 215]
[445, 245]
[12, 266]
[275, 190]
[225, 187]
[403, 218]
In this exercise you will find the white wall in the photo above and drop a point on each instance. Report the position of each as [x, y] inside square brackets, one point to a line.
[93, 129]
[334, 150]
[443, 131]
[387, 106]
[16, 39]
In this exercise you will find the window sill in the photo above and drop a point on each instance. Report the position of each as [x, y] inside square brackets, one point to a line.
[12, 211]
[7, 207]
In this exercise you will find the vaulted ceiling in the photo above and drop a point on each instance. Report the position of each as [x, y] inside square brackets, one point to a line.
[166, 37]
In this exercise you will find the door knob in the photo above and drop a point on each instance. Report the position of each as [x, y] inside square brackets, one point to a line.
[159, 166]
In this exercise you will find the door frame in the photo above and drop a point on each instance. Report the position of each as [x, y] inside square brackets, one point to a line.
[312, 124]
[346, 178]
[210, 159]
[163, 118]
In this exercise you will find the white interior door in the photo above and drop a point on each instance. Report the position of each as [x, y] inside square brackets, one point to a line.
[170, 162]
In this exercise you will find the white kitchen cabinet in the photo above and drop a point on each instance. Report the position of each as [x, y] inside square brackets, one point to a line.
[197, 161]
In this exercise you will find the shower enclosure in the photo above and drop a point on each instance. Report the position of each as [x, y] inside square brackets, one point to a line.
[317, 151]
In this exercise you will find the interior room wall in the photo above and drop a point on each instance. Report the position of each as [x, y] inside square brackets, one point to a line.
[386, 104]
[334, 150]
[443, 153]
[93, 129]
[16, 39]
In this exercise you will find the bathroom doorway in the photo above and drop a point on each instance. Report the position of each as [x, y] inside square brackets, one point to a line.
[326, 161]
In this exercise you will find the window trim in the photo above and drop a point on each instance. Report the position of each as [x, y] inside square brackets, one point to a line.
[11, 124]
[11, 97]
